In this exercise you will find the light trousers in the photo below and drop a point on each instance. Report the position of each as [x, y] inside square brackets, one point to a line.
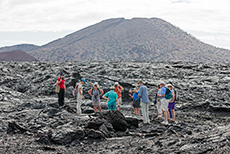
[79, 101]
[159, 108]
[145, 112]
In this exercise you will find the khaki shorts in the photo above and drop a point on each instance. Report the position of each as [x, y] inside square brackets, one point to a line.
[96, 102]
[164, 104]
[119, 101]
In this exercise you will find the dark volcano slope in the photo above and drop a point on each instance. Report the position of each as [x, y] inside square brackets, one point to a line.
[135, 39]
[16, 55]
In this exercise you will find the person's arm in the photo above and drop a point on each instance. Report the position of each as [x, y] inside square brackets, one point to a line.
[140, 93]
[116, 97]
[119, 89]
[173, 99]
[164, 91]
[90, 92]
[75, 89]
[58, 82]
[102, 92]
[162, 95]
[104, 96]
[65, 88]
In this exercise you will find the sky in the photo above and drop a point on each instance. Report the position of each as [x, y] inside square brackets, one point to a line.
[41, 21]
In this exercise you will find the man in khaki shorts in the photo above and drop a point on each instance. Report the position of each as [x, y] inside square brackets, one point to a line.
[164, 103]
[118, 90]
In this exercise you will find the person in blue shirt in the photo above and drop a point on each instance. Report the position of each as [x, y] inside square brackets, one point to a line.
[144, 98]
[164, 103]
[112, 98]
[158, 103]
[136, 102]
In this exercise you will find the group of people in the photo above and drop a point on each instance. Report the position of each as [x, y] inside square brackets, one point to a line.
[165, 99]
[165, 102]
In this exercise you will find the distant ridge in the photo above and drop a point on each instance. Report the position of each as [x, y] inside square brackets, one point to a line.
[16, 55]
[23, 47]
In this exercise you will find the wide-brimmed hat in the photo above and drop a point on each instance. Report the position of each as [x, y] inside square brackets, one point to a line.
[112, 88]
[116, 83]
[169, 85]
[140, 81]
[96, 84]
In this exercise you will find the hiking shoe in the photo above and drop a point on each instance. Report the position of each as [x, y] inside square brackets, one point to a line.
[159, 117]
[165, 123]
[78, 113]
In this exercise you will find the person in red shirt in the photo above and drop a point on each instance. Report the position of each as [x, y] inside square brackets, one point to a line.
[118, 90]
[61, 95]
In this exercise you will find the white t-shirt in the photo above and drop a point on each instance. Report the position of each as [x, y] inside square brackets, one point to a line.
[79, 86]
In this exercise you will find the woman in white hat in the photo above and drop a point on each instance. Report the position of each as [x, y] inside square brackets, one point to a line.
[96, 93]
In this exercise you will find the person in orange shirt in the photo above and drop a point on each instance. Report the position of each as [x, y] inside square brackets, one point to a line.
[118, 90]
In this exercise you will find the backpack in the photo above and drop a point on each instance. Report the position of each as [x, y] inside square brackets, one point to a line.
[155, 100]
[94, 90]
[168, 94]
[75, 92]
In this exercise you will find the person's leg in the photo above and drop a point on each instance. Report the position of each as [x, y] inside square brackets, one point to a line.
[138, 111]
[63, 98]
[95, 108]
[143, 112]
[165, 109]
[166, 116]
[159, 109]
[170, 113]
[135, 107]
[62, 95]
[99, 107]
[147, 112]
[173, 115]
[119, 104]
[146, 116]
[79, 105]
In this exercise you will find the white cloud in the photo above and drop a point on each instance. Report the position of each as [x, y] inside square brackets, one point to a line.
[211, 16]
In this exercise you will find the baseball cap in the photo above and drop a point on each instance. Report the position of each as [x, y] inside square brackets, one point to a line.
[83, 80]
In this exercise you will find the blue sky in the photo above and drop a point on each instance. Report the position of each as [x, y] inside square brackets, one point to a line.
[41, 21]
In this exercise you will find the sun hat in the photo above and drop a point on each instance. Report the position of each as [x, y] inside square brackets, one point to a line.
[96, 84]
[83, 80]
[112, 88]
[169, 85]
[162, 82]
[116, 83]
[140, 81]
